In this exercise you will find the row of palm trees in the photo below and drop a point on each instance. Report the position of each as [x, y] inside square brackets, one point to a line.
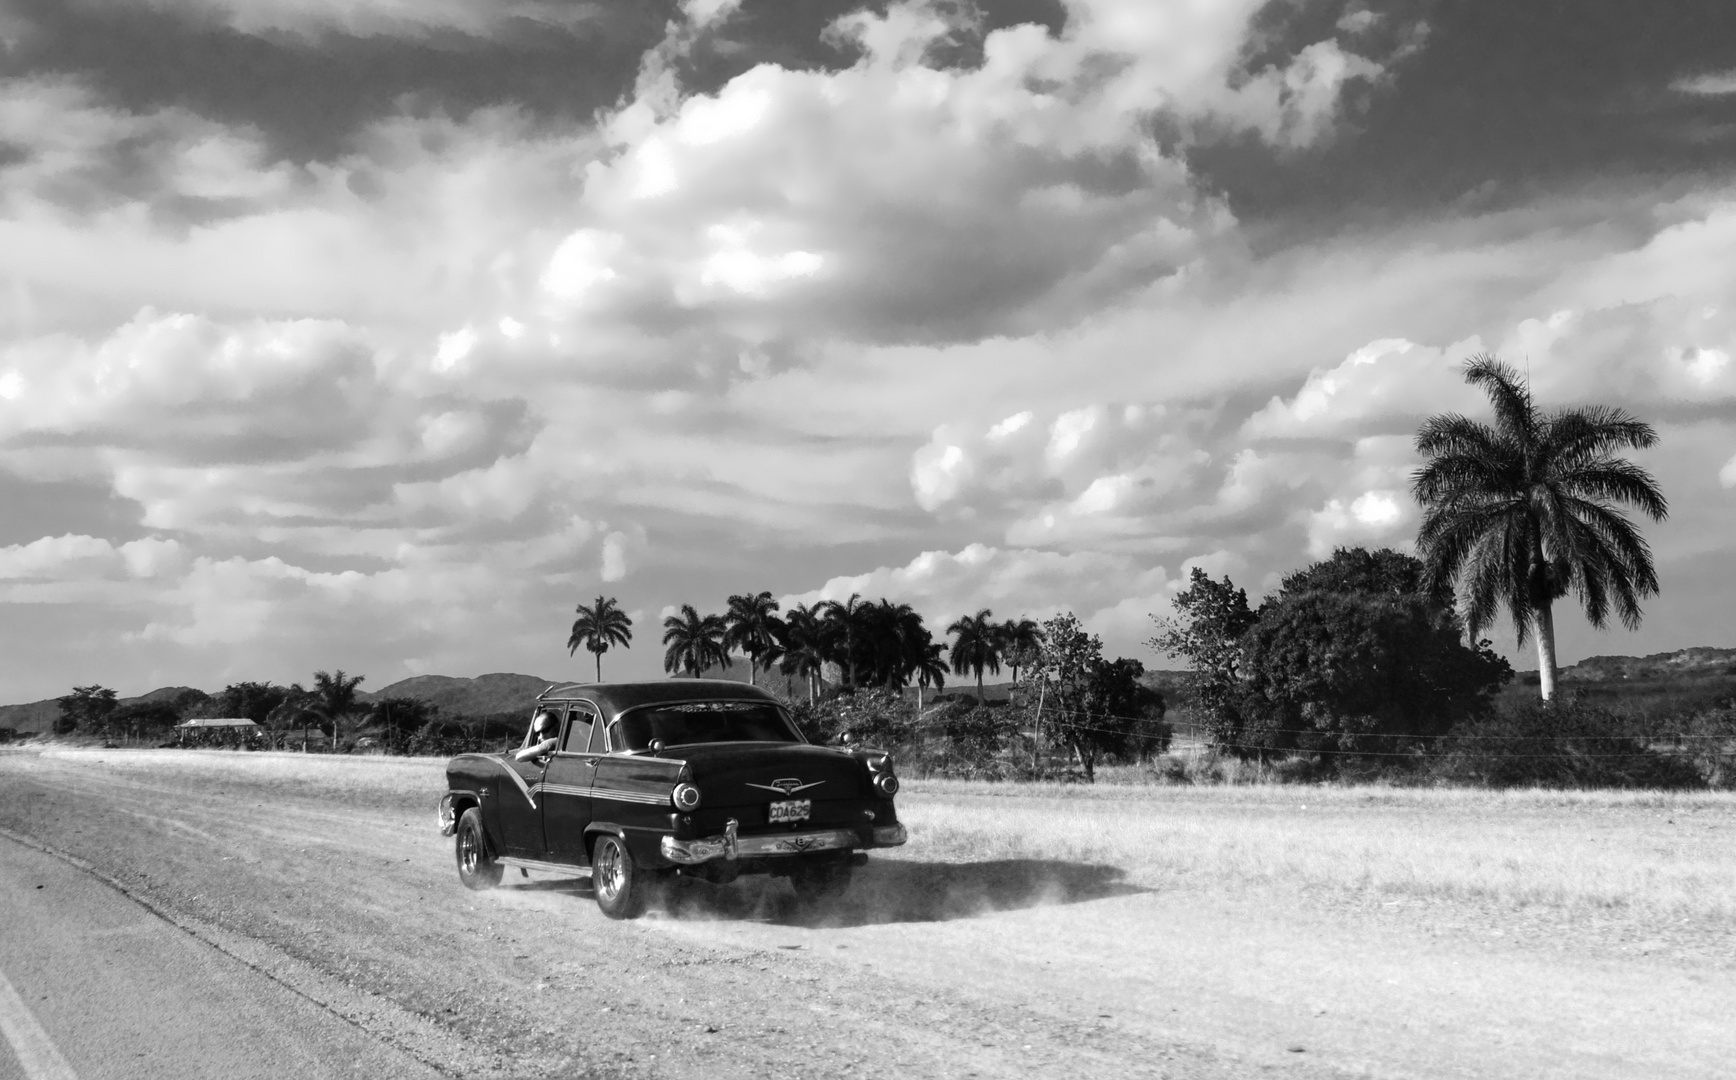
[872, 643]
[1516, 514]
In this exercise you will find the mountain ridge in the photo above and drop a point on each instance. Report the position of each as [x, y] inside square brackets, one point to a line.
[506, 692]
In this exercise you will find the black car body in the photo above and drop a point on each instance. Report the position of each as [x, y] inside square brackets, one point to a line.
[698, 778]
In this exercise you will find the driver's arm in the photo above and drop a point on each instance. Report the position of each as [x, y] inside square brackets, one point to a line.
[536, 750]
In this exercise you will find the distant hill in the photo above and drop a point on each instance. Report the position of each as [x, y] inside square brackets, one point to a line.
[500, 692]
[39, 716]
[1696, 661]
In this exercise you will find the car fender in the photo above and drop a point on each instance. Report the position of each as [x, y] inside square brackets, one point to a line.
[452, 807]
[642, 841]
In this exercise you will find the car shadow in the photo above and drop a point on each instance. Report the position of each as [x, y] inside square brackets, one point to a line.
[900, 891]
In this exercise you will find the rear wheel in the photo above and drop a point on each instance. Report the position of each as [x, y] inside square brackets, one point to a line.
[476, 865]
[622, 888]
[823, 883]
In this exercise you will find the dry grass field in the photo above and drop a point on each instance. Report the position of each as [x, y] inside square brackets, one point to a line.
[1125, 929]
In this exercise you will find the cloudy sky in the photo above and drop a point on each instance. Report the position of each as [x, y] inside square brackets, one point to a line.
[376, 334]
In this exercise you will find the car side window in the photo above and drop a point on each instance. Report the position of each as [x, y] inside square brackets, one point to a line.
[579, 720]
[599, 744]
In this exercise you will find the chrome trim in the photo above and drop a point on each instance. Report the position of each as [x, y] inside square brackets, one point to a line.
[622, 795]
[448, 817]
[787, 787]
[564, 869]
[688, 852]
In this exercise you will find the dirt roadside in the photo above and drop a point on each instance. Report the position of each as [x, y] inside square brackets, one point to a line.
[932, 969]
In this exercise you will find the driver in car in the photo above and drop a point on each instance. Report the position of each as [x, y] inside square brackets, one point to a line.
[544, 732]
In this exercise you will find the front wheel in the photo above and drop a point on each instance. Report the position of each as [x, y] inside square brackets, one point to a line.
[476, 865]
[621, 887]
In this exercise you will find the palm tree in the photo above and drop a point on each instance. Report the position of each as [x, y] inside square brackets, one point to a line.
[694, 642]
[804, 646]
[844, 620]
[334, 697]
[976, 645]
[598, 627]
[1521, 513]
[893, 639]
[930, 671]
[1020, 640]
[755, 629]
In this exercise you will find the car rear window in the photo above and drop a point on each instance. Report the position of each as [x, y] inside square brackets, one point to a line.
[703, 722]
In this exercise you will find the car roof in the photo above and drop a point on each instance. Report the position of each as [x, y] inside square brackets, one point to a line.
[616, 698]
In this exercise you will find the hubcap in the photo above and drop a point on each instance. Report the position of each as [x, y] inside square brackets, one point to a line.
[609, 873]
[467, 853]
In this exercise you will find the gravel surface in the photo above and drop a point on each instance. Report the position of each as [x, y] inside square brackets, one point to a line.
[944, 968]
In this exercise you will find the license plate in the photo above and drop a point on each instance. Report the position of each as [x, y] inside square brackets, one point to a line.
[794, 810]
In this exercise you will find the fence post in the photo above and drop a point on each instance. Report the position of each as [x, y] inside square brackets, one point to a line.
[1037, 735]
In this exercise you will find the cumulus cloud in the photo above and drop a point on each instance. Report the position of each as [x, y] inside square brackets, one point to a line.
[414, 19]
[1112, 594]
[897, 199]
[1707, 84]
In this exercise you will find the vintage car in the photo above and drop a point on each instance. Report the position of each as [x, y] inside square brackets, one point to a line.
[695, 778]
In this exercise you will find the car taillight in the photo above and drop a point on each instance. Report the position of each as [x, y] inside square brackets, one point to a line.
[886, 784]
[686, 797]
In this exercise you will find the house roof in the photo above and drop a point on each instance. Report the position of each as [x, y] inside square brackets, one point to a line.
[615, 698]
[218, 721]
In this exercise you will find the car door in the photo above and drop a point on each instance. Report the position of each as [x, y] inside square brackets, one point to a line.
[521, 806]
[566, 793]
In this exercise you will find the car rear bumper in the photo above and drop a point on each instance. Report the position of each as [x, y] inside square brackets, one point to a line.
[730, 846]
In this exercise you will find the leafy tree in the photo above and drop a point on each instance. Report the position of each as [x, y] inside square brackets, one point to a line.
[1020, 640]
[87, 708]
[753, 628]
[1357, 570]
[400, 718]
[254, 700]
[694, 642]
[334, 697]
[1519, 514]
[976, 645]
[598, 627]
[1206, 631]
[1088, 704]
[137, 718]
[1360, 672]
[805, 646]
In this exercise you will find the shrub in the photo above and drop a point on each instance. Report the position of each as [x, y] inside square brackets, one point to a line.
[1565, 743]
[1708, 742]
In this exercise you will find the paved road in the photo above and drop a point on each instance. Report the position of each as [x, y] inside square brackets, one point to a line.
[92, 985]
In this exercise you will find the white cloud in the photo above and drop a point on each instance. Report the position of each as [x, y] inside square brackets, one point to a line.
[1727, 475]
[413, 19]
[1015, 583]
[1710, 84]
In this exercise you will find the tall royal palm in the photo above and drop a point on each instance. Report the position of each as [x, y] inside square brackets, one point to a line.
[930, 671]
[844, 621]
[1020, 640]
[598, 627]
[804, 646]
[976, 645]
[755, 629]
[1519, 514]
[693, 642]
